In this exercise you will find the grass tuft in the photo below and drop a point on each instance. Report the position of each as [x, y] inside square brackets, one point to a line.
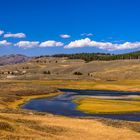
[6, 126]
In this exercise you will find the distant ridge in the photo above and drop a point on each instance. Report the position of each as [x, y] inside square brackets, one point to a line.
[19, 58]
[13, 59]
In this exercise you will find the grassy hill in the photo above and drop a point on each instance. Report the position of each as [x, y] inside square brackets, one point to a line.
[65, 68]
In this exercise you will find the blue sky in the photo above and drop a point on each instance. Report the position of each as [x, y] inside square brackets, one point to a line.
[38, 27]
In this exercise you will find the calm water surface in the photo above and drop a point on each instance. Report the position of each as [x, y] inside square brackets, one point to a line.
[63, 105]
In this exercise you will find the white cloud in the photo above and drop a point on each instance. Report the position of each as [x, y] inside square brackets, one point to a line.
[27, 44]
[78, 43]
[5, 43]
[51, 43]
[31, 44]
[102, 45]
[87, 34]
[1, 32]
[17, 35]
[65, 36]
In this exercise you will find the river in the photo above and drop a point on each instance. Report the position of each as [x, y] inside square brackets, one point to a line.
[63, 105]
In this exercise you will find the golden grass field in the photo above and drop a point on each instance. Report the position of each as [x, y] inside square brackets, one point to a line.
[48, 127]
[122, 85]
[105, 106]
[16, 123]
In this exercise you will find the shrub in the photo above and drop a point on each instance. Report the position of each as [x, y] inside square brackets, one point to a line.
[26, 67]
[78, 73]
[47, 72]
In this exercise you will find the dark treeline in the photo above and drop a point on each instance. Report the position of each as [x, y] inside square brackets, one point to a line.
[99, 56]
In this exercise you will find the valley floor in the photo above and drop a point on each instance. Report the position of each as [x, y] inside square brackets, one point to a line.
[21, 124]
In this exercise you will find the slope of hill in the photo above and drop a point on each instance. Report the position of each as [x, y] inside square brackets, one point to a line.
[64, 68]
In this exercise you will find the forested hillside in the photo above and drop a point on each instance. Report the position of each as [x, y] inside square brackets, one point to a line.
[100, 56]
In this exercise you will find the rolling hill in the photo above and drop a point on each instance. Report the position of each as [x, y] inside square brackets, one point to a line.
[65, 68]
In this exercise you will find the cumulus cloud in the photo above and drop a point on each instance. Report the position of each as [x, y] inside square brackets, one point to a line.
[87, 34]
[32, 44]
[17, 35]
[79, 43]
[27, 44]
[65, 36]
[1, 32]
[102, 45]
[5, 43]
[51, 43]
